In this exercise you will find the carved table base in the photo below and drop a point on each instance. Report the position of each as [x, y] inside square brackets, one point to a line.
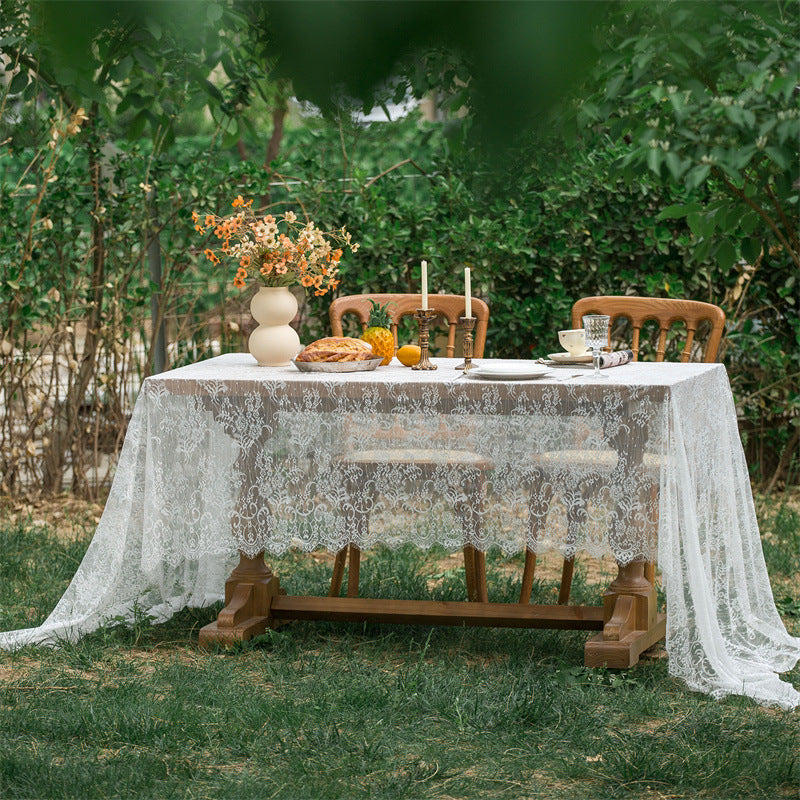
[254, 601]
[631, 621]
[248, 596]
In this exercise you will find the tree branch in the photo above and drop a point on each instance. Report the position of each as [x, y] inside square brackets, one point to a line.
[779, 208]
[761, 213]
[399, 164]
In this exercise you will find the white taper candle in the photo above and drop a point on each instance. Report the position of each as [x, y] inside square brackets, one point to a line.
[424, 281]
[467, 293]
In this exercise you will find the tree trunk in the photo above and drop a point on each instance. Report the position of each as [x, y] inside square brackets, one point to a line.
[66, 431]
[273, 147]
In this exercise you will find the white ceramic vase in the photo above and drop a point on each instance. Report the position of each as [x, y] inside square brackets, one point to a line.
[274, 342]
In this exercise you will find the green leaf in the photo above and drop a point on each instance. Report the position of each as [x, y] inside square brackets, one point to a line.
[136, 127]
[213, 12]
[137, 100]
[121, 69]
[734, 114]
[749, 222]
[731, 170]
[154, 26]
[726, 255]
[614, 85]
[655, 158]
[742, 158]
[145, 61]
[778, 156]
[676, 165]
[697, 175]
[694, 221]
[231, 137]
[18, 83]
[213, 91]
[767, 126]
[678, 211]
[693, 44]
[701, 251]
[707, 224]
[751, 249]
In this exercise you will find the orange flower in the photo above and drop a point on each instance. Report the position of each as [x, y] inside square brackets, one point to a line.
[300, 253]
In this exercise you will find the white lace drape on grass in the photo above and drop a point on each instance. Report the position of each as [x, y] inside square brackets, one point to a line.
[224, 456]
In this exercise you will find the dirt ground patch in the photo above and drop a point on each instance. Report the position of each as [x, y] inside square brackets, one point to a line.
[65, 516]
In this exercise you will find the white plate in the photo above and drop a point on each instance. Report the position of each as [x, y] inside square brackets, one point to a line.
[509, 372]
[568, 358]
[337, 366]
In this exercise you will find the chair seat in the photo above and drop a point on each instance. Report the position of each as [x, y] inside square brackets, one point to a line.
[600, 459]
[420, 457]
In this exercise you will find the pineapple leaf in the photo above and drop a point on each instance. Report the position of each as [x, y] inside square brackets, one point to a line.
[379, 316]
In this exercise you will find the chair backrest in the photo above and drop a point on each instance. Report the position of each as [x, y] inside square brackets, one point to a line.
[449, 306]
[665, 312]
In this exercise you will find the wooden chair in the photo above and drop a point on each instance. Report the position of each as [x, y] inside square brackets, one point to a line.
[666, 313]
[449, 306]
[472, 467]
[638, 311]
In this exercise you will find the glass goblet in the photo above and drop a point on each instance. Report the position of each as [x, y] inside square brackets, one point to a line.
[596, 330]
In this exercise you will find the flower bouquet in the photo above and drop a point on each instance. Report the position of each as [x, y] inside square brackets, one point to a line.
[276, 250]
[279, 252]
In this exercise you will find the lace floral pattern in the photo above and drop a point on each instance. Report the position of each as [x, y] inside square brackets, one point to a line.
[224, 456]
[281, 463]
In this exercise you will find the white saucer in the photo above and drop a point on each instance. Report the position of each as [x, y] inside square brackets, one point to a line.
[508, 372]
[568, 358]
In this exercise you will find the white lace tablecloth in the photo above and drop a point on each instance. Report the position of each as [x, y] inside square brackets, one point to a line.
[224, 455]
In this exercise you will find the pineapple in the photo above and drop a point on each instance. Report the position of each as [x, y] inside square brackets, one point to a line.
[378, 333]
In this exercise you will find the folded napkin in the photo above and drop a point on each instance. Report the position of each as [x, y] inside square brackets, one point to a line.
[615, 359]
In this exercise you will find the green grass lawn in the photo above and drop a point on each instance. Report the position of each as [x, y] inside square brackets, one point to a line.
[322, 710]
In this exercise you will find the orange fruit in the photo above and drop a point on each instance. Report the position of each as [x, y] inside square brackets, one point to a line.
[408, 355]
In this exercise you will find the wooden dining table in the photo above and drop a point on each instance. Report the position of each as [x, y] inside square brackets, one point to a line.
[226, 458]
[627, 621]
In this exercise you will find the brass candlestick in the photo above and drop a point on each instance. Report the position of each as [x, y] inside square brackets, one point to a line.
[468, 324]
[424, 317]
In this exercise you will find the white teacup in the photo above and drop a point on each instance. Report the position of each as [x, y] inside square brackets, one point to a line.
[574, 341]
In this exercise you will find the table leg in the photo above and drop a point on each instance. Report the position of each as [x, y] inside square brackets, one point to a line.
[353, 571]
[248, 595]
[631, 620]
[338, 572]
